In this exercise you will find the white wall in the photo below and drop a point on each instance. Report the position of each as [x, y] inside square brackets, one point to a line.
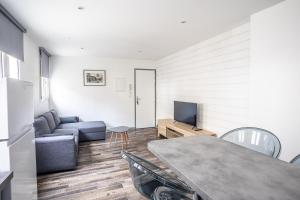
[70, 97]
[30, 71]
[231, 93]
[275, 74]
[214, 74]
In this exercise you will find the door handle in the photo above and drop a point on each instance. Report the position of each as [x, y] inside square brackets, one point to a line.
[138, 100]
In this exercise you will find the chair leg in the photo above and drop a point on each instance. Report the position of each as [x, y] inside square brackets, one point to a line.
[116, 137]
[111, 136]
[127, 137]
[122, 140]
[196, 196]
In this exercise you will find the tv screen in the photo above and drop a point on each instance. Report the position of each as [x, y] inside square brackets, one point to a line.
[185, 112]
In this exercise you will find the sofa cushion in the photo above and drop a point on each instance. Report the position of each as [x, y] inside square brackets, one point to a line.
[86, 127]
[50, 120]
[55, 117]
[41, 126]
[72, 119]
[74, 132]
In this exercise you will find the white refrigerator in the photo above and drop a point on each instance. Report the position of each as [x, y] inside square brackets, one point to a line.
[17, 147]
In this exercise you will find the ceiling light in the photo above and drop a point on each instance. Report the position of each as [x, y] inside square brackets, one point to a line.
[183, 22]
[81, 48]
[80, 8]
[140, 51]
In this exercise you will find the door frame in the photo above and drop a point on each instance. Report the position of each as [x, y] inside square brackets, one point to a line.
[146, 69]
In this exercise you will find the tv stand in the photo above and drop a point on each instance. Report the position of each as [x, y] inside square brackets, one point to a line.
[168, 128]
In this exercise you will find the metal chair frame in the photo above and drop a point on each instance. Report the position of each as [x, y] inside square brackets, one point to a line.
[294, 159]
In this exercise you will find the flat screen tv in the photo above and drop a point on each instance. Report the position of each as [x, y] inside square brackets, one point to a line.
[185, 112]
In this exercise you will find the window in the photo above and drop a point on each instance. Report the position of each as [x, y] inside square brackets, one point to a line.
[9, 66]
[45, 88]
[44, 72]
[1, 66]
[13, 67]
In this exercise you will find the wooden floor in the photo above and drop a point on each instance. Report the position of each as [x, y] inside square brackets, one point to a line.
[101, 173]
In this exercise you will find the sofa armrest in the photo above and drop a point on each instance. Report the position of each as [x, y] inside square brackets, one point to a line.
[66, 132]
[51, 135]
[55, 153]
[72, 119]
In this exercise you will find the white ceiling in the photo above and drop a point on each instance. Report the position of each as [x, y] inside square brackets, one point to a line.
[141, 29]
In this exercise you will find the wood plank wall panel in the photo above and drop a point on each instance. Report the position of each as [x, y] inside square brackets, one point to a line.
[214, 74]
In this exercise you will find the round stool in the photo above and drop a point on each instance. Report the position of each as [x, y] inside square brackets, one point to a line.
[123, 132]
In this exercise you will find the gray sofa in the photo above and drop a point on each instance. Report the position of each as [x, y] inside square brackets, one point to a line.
[57, 140]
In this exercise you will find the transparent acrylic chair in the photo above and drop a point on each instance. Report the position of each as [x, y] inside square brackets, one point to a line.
[166, 193]
[296, 160]
[153, 182]
[257, 139]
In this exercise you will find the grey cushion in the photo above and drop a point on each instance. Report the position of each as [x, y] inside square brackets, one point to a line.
[66, 132]
[55, 117]
[72, 119]
[86, 127]
[74, 132]
[41, 126]
[50, 120]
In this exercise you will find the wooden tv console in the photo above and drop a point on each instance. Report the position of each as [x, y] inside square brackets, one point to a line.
[171, 129]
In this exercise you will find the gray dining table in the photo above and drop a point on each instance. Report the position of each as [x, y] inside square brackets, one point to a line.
[220, 170]
[5, 185]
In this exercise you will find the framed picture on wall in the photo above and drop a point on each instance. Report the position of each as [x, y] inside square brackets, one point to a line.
[94, 77]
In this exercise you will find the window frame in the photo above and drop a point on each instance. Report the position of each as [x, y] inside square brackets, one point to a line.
[44, 81]
[5, 67]
[1, 66]
[44, 88]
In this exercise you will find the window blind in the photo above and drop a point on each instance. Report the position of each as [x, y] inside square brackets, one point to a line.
[44, 62]
[11, 35]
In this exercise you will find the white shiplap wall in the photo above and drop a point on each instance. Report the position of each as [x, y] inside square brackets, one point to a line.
[214, 74]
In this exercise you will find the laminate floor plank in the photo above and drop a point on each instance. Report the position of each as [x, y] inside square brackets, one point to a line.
[101, 173]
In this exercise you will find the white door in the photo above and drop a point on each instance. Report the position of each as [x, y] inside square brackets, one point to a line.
[145, 98]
